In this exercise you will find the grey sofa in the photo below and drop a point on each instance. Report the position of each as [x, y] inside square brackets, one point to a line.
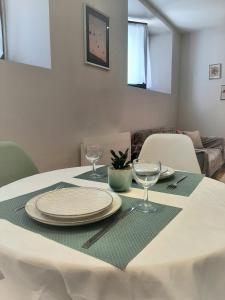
[210, 158]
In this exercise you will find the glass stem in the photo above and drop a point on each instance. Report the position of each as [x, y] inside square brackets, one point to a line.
[146, 194]
[94, 168]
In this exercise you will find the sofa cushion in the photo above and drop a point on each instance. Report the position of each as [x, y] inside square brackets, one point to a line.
[195, 137]
[116, 141]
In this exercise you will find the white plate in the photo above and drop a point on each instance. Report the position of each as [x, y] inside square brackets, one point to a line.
[166, 172]
[35, 214]
[74, 202]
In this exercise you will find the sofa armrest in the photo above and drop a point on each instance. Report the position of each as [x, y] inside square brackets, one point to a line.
[213, 142]
[202, 157]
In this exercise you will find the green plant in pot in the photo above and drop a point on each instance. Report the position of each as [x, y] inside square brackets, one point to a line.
[120, 173]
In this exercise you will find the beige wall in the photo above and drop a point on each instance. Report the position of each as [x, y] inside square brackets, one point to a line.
[200, 104]
[49, 111]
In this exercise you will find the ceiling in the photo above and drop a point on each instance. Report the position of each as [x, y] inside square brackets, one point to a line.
[136, 11]
[188, 15]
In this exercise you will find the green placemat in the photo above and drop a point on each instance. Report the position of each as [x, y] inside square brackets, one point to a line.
[118, 247]
[102, 170]
[185, 188]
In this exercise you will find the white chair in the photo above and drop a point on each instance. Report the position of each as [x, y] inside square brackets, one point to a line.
[173, 150]
[116, 141]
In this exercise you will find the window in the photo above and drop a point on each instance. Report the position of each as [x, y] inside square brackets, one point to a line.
[137, 52]
[25, 32]
[1, 40]
[1, 33]
[150, 49]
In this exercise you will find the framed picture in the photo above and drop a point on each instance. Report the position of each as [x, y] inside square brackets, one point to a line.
[96, 37]
[215, 71]
[222, 97]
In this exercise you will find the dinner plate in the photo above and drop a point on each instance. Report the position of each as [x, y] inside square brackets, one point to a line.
[74, 202]
[36, 215]
[166, 172]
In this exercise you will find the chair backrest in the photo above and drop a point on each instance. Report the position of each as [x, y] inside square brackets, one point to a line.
[15, 164]
[116, 141]
[173, 150]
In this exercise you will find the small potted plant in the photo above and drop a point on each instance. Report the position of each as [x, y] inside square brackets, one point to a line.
[120, 173]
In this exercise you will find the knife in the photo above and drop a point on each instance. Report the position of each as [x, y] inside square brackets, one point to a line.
[106, 228]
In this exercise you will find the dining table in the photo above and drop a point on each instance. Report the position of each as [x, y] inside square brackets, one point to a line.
[184, 261]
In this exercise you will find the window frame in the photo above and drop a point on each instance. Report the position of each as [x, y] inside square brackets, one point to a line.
[142, 85]
[3, 26]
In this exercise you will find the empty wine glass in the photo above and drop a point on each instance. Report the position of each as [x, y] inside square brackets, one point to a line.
[93, 154]
[146, 174]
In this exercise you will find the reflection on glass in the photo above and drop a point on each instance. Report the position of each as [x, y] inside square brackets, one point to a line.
[93, 154]
[146, 174]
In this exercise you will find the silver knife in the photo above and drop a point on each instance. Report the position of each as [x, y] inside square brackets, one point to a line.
[106, 228]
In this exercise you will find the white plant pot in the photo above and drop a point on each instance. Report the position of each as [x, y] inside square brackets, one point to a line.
[119, 180]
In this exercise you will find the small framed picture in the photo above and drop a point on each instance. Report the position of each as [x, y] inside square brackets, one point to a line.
[222, 97]
[215, 71]
[96, 37]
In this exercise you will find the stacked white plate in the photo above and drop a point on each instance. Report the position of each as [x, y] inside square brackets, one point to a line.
[166, 172]
[73, 206]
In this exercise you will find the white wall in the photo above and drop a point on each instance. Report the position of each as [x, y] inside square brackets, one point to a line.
[161, 45]
[200, 104]
[49, 111]
[28, 32]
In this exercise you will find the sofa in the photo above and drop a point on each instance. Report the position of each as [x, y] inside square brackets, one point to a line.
[116, 141]
[210, 157]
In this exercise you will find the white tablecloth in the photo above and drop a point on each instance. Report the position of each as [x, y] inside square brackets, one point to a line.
[185, 261]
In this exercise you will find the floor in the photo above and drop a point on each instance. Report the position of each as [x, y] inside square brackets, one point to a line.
[220, 174]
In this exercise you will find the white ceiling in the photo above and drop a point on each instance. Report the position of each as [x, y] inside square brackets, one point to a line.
[137, 11]
[189, 15]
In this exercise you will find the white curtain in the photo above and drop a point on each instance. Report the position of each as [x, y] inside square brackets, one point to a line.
[1, 30]
[1, 39]
[148, 62]
[136, 53]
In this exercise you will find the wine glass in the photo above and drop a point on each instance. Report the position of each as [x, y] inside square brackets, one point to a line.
[146, 174]
[93, 154]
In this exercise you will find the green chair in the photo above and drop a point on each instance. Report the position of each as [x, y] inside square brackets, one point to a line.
[15, 164]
